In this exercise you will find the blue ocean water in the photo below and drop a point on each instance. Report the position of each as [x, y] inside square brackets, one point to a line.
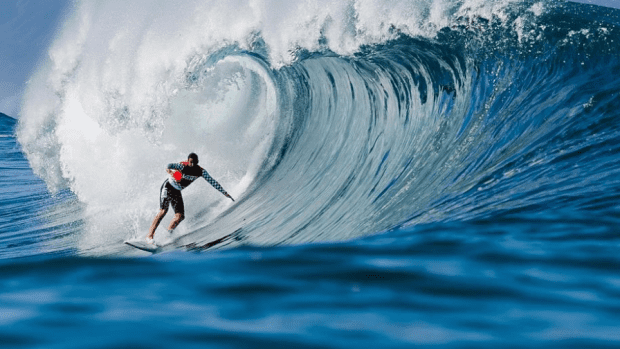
[406, 174]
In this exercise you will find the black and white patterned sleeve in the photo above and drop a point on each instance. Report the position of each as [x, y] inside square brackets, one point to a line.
[175, 166]
[213, 182]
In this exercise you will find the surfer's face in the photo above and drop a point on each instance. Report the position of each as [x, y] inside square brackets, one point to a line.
[191, 162]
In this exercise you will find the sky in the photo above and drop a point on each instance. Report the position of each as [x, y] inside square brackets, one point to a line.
[26, 31]
[607, 3]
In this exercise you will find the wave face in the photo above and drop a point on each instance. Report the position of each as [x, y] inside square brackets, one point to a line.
[327, 121]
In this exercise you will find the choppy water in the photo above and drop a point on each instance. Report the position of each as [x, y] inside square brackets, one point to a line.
[411, 173]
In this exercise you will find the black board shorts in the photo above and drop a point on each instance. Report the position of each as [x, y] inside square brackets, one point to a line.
[170, 195]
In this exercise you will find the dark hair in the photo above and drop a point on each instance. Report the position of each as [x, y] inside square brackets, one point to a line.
[194, 157]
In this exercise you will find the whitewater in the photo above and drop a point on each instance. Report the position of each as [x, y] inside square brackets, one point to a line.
[432, 173]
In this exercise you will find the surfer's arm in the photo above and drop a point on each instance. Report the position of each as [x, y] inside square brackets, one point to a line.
[171, 168]
[215, 184]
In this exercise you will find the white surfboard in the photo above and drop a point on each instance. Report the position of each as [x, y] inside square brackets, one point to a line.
[235, 237]
[142, 245]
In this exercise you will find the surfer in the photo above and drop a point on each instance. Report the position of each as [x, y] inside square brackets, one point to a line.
[182, 175]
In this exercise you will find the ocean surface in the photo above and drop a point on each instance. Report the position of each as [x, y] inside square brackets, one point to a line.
[433, 174]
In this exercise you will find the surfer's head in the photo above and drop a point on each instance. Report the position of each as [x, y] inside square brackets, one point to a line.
[192, 158]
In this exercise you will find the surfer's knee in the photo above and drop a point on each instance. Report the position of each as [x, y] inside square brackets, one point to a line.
[179, 217]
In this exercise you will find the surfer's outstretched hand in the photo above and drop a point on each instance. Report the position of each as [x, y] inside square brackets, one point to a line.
[230, 197]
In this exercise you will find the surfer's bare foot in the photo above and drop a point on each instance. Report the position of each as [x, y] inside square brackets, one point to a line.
[149, 240]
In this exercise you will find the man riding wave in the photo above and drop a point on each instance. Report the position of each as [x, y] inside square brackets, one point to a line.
[183, 174]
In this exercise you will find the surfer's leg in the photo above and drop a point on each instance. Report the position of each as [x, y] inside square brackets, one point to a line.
[164, 203]
[178, 217]
[179, 210]
[160, 215]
